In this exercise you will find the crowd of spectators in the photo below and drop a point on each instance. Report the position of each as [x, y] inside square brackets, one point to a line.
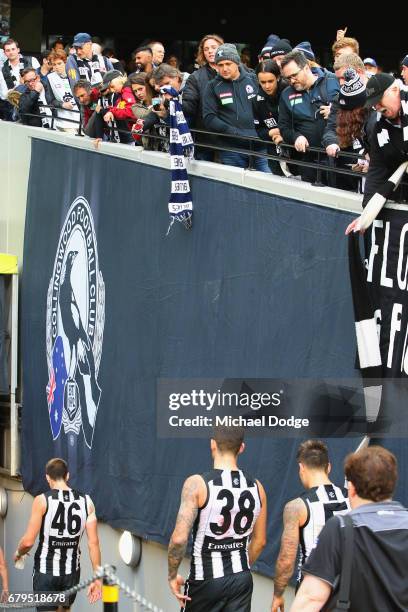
[287, 106]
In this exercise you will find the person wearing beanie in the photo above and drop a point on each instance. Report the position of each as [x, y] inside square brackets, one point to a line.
[404, 70]
[267, 48]
[345, 66]
[83, 64]
[303, 108]
[306, 49]
[351, 119]
[227, 108]
[279, 50]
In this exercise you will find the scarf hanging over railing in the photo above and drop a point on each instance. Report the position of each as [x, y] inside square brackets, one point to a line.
[181, 145]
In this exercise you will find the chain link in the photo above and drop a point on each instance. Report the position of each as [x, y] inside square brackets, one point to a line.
[103, 572]
[131, 594]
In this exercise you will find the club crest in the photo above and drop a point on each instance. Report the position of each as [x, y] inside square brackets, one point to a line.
[74, 327]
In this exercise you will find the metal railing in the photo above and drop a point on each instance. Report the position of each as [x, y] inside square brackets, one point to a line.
[322, 162]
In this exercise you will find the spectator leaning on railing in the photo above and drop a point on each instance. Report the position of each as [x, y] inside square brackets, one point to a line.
[59, 94]
[33, 101]
[194, 90]
[304, 106]
[227, 108]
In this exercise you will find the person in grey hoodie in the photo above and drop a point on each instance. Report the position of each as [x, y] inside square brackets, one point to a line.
[227, 109]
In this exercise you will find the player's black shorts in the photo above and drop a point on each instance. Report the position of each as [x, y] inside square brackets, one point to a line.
[46, 583]
[227, 594]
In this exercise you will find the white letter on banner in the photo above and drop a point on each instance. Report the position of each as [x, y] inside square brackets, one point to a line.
[385, 281]
[176, 208]
[395, 326]
[174, 136]
[402, 282]
[180, 187]
[177, 162]
[374, 250]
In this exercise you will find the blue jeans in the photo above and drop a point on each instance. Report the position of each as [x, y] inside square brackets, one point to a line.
[242, 161]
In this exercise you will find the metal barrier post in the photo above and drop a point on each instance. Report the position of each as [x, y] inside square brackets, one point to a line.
[110, 594]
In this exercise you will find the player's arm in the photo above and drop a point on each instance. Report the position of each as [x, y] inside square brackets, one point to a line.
[3, 572]
[192, 497]
[258, 537]
[91, 526]
[33, 528]
[294, 516]
[312, 595]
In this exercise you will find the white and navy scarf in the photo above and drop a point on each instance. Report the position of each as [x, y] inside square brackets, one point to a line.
[181, 145]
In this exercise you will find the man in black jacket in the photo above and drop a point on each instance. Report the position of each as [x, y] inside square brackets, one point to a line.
[227, 109]
[388, 139]
[32, 100]
[303, 107]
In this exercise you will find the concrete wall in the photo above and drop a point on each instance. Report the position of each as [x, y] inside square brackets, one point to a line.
[150, 579]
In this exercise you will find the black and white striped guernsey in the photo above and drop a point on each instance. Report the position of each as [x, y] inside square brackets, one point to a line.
[322, 503]
[224, 525]
[62, 526]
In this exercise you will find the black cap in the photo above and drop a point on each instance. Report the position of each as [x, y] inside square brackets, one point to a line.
[376, 85]
[405, 61]
[108, 78]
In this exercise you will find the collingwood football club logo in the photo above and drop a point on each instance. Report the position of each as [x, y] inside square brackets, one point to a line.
[75, 324]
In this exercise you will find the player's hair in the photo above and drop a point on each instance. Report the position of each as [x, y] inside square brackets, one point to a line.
[57, 469]
[373, 471]
[313, 454]
[228, 439]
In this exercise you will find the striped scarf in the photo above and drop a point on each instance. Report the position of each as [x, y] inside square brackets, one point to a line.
[181, 143]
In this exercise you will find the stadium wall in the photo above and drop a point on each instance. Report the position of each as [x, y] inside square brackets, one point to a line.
[325, 209]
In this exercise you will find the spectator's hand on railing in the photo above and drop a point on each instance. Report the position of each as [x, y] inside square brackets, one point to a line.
[332, 150]
[275, 135]
[325, 110]
[360, 166]
[341, 33]
[301, 144]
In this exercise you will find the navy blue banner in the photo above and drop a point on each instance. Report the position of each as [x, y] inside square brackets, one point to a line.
[259, 288]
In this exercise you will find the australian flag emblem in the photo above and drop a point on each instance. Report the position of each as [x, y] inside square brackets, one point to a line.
[55, 387]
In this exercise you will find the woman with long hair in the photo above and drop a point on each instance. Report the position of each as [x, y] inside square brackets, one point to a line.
[266, 108]
[351, 119]
[194, 89]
